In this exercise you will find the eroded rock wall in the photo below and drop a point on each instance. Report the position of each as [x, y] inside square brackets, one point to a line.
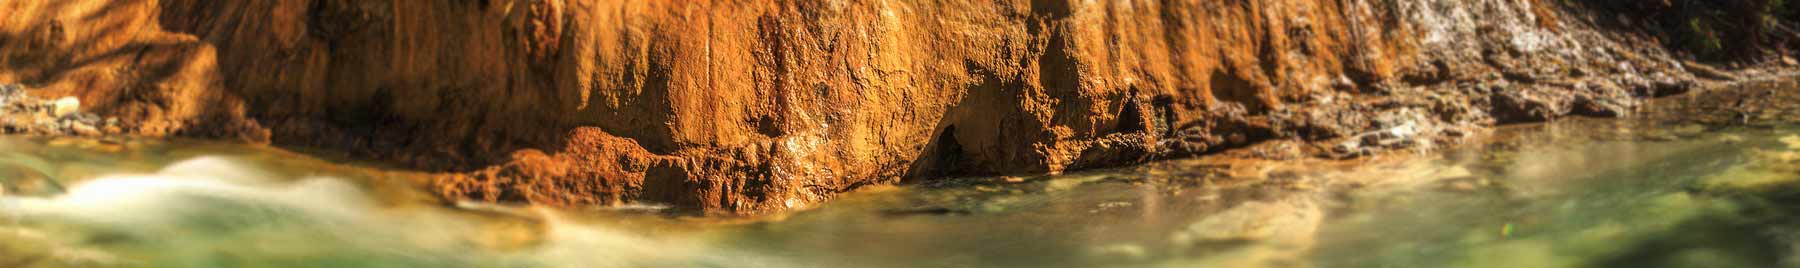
[744, 106]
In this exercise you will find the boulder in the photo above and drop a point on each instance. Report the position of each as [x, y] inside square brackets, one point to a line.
[65, 107]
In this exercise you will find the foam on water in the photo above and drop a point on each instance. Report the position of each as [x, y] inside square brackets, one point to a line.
[213, 212]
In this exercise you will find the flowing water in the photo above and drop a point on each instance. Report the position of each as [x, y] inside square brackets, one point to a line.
[1577, 193]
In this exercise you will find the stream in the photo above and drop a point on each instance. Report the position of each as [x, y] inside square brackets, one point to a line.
[1572, 193]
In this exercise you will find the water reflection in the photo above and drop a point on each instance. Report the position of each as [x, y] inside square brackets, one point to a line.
[1575, 194]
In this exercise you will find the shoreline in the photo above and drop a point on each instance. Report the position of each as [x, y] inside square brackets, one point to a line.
[1660, 110]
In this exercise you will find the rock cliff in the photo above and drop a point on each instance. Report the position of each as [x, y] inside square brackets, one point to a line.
[761, 105]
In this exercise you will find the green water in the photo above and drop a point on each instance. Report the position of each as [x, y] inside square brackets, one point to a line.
[1579, 193]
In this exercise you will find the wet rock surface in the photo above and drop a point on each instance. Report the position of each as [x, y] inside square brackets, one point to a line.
[748, 106]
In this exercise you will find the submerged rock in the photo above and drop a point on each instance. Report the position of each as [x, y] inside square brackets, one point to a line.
[1769, 172]
[1289, 221]
[1765, 171]
[23, 181]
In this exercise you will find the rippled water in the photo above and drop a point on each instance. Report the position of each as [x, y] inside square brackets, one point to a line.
[1580, 193]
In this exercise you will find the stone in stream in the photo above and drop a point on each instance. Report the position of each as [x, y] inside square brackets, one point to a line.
[1291, 220]
[1260, 233]
[83, 129]
[18, 180]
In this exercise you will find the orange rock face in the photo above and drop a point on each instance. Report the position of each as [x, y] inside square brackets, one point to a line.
[760, 105]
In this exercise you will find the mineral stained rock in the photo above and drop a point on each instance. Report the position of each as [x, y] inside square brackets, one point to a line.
[762, 105]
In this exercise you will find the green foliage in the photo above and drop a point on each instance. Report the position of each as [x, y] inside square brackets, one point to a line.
[1726, 30]
[1771, 14]
[1702, 39]
[1705, 29]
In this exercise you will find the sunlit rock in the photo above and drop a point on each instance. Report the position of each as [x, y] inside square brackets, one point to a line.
[65, 107]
